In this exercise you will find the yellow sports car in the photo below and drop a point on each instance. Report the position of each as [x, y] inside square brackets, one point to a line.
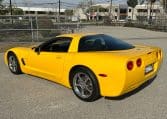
[92, 65]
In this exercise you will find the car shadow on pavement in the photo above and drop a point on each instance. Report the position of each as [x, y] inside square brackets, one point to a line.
[144, 85]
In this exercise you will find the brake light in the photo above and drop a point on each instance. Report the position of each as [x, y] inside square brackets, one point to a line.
[160, 53]
[139, 62]
[157, 54]
[130, 65]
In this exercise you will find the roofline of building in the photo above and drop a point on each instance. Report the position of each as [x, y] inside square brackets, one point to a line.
[41, 9]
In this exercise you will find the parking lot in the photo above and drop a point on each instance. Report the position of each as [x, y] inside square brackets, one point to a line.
[27, 97]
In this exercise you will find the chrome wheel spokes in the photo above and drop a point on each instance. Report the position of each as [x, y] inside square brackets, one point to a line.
[12, 63]
[83, 85]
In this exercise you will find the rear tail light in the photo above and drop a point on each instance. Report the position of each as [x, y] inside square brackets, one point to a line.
[157, 54]
[160, 53]
[139, 62]
[130, 65]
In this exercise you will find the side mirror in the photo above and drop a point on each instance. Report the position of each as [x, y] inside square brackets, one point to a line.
[33, 48]
[38, 50]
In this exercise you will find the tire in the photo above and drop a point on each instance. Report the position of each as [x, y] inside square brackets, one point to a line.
[13, 64]
[85, 85]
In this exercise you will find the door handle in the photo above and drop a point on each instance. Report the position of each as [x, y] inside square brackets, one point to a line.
[58, 57]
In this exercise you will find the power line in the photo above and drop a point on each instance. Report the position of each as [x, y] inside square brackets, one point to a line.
[66, 4]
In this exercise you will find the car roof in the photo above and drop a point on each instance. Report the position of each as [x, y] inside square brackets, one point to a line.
[76, 35]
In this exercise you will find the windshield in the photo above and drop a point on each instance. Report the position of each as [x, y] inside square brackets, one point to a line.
[102, 42]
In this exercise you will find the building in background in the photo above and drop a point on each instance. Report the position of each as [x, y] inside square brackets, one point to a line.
[145, 11]
[101, 11]
[44, 11]
[79, 15]
[41, 11]
[164, 4]
[122, 12]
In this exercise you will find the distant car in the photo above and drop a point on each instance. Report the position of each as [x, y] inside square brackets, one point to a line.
[93, 65]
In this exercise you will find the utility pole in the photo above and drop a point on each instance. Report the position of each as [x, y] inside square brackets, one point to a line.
[110, 10]
[92, 9]
[59, 12]
[91, 2]
[11, 10]
[165, 5]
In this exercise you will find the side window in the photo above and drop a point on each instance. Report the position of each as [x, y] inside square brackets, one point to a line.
[57, 45]
[91, 44]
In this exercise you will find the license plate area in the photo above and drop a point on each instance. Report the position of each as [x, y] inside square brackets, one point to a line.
[149, 68]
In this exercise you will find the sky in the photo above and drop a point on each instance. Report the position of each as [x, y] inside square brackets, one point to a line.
[66, 2]
[71, 1]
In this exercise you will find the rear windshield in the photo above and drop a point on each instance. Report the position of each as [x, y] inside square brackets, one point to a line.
[102, 42]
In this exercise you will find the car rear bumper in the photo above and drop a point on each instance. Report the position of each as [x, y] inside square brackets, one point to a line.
[125, 87]
[129, 80]
[137, 84]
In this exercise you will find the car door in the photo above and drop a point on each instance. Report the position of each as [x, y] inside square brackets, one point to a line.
[48, 59]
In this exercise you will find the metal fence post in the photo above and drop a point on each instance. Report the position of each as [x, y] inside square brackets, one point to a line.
[37, 28]
[32, 32]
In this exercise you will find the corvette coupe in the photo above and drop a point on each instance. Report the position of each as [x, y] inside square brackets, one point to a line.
[93, 65]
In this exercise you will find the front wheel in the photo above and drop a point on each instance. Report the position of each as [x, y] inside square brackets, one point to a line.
[85, 85]
[13, 64]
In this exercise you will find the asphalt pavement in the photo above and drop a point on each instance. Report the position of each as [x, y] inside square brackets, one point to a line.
[27, 97]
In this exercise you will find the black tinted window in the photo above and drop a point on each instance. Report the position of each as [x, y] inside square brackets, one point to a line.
[102, 43]
[56, 45]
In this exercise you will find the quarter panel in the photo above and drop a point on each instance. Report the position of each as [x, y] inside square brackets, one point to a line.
[101, 63]
[21, 53]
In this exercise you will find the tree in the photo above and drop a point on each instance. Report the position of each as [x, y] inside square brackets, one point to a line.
[17, 11]
[132, 3]
[2, 8]
[1, 2]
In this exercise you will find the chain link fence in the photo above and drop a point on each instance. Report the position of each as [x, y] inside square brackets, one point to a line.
[157, 23]
[21, 28]
[33, 28]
